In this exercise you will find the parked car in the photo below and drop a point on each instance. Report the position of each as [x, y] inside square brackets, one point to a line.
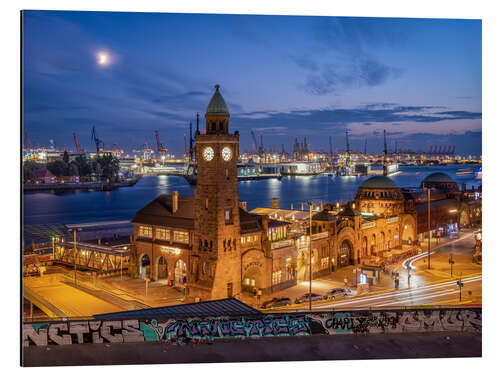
[305, 298]
[336, 293]
[276, 302]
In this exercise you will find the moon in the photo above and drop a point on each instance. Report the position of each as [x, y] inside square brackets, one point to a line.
[102, 58]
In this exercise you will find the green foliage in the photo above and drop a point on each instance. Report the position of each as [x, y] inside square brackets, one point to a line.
[28, 168]
[58, 168]
[102, 167]
[66, 157]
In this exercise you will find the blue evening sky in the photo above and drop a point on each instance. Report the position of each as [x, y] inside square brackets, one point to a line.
[283, 76]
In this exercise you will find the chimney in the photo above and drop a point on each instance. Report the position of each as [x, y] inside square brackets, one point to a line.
[243, 205]
[175, 201]
[275, 203]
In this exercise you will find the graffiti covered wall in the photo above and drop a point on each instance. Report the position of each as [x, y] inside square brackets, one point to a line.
[297, 324]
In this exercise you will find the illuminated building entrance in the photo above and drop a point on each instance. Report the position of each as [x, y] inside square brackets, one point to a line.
[145, 266]
[180, 273]
[162, 271]
[346, 254]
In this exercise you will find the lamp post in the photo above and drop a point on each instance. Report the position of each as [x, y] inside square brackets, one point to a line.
[429, 228]
[74, 251]
[310, 256]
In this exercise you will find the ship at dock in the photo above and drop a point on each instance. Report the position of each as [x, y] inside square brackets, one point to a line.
[246, 172]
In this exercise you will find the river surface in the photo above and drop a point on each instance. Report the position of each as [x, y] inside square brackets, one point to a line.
[121, 204]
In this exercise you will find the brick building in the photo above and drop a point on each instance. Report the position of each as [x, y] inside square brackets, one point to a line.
[210, 245]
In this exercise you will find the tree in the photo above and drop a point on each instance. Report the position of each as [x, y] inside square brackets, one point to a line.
[58, 168]
[28, 168]
[97, 169]
[73, 169]
[110, 166]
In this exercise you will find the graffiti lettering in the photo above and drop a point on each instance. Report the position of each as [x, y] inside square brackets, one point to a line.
[329, 323]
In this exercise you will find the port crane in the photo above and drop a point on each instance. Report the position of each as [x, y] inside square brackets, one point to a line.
[98, 143]
[27, 142]
[261, 150]
[78, 147]
[160, 148]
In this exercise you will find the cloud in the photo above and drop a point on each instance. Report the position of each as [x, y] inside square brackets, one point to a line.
[342, 57]
[337, 118]
[362, 71]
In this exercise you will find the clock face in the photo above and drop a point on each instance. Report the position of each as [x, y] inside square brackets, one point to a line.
[226, 153]
[208, 153]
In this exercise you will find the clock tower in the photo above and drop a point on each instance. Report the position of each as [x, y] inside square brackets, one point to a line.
[215, 269]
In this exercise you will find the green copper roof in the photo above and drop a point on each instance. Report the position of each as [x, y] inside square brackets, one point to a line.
[379, 182]
[217, 105]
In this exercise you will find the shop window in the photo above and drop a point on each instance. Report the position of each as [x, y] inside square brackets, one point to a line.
[145, 231]
[182, 237]
[324, 263]
[276, 277]
[162, 234]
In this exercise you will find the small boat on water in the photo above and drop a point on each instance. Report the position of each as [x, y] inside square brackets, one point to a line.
[462, 172]
[479, 174]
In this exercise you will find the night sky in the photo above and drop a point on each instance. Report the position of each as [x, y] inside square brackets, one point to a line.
[283, 76]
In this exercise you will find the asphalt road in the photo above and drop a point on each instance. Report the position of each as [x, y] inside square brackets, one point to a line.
[433, 286]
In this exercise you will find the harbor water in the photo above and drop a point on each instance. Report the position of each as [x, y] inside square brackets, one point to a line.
[83, 206]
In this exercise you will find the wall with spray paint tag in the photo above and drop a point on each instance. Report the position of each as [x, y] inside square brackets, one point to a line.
[296, 324]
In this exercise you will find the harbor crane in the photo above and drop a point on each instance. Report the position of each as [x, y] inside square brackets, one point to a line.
[78, 147]
[160, 148]
[27, 142]
[98, 143]
[260, 147]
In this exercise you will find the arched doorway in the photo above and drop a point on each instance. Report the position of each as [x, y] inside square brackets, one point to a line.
[346, 254]
[180, 273]
[161, 268]
[252, 278]
[303, 266]
[383, 242]
[464, 219]
[408, 233]
[365, 247]
[373, 243]
[144, 266]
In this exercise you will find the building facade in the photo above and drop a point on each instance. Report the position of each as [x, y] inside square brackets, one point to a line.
[211, 246]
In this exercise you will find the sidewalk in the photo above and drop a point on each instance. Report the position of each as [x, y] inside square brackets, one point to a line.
[158, 292]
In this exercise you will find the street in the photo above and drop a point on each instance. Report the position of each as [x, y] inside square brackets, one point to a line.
[434, 286]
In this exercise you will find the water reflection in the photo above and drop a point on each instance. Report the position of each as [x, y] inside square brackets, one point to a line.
[122, 204]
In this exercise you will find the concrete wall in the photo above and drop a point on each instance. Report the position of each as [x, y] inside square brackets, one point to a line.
[296, 324]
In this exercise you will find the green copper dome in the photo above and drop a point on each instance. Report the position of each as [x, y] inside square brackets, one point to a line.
[217, 105]
[379, 182]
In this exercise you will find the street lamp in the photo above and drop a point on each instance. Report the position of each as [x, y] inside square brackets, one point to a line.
[310, 256]
[74, 251]
[429, 227]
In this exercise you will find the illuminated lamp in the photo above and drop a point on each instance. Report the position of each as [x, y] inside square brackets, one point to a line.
[172, 250]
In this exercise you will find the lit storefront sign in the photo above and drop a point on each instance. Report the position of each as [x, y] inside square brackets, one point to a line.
[172, 250]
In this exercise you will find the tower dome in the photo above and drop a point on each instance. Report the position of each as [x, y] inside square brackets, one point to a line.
[379, 182]
[217, 105]
[439, 177]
